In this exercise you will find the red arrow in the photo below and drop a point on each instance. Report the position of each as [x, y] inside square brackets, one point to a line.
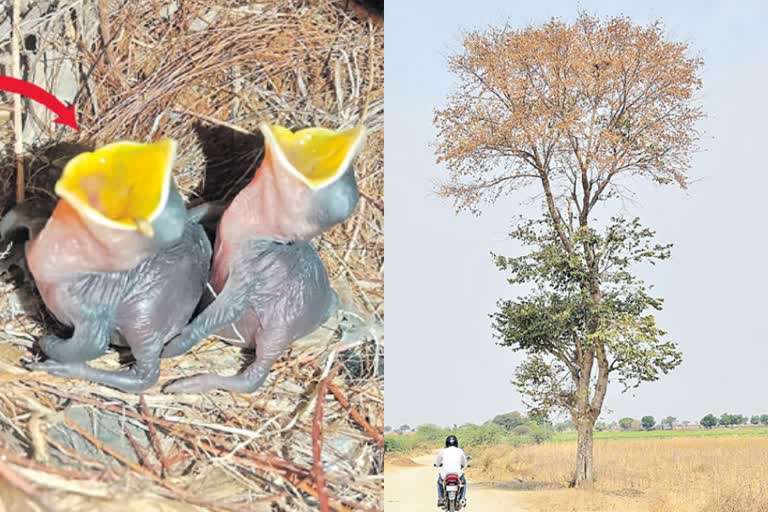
[40, 95]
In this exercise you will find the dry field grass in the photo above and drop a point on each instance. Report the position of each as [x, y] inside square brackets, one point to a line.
[654, 475]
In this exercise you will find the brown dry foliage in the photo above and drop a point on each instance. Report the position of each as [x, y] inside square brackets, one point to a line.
[574, 104]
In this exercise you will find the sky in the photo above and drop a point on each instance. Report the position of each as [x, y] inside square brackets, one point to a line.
[443, 365]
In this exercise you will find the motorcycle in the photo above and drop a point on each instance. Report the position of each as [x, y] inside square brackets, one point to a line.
[452, 488]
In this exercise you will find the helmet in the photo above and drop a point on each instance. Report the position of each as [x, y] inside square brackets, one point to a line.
[451, 441]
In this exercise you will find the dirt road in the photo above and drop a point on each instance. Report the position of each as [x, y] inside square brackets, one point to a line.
[409, 486]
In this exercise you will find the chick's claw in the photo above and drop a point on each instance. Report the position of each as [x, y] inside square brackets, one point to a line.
[58, 369]
[196, 384]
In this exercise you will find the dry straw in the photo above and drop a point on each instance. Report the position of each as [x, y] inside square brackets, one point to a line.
[205, 75]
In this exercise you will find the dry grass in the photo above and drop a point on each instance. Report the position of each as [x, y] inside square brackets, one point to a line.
[205, 73]
[399, 460]
[656, 475]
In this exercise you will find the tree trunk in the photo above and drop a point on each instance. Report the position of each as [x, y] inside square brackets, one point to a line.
[584, 475]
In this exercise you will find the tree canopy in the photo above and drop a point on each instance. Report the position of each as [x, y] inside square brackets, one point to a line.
[570, 105]
[648, 422]
[550, 323]
[510, 420]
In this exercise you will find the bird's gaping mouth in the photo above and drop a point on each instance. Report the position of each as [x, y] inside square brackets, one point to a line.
[123, 185]
[317, 156]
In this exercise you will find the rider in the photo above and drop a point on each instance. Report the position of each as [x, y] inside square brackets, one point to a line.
[451, 460]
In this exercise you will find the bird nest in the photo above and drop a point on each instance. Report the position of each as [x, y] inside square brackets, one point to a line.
[204, 73]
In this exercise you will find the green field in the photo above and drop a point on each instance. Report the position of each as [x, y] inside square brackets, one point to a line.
[487, 435]
[652, 434]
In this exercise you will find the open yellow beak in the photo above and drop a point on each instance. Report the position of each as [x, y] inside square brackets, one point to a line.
[123, 185]
[316, 156]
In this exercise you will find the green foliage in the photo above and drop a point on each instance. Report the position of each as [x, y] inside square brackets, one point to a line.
[626, 423]
[551, 323]
[668, 422]
[477, 435]
[729, 420]
[541, 432]
[469, 435]
[401, 443]
[764, 419]
[648, 422]
[755, 420]
[431, 434]
[666, 434]
[521, 430]
[600, 426]
[510, 420]
[708, 421]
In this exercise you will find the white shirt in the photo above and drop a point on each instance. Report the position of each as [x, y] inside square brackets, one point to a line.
[452, 460]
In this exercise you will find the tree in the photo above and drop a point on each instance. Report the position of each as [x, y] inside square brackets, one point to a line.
[669, 422]
[601, 426]
[755, 420]
[510, 420]
[521, 430]
[551, 323]
[573, 109]
[626, 423]
[540, 432]
[708, 421]
[648, 422]
[404, 428]
[764, 419]
[726, 420]
[387, 428]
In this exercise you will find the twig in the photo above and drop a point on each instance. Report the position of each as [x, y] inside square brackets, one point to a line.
[355, 414]
[154, 438]
[106, 449]
[7, 251]
[16, 460]
[297, 475]
[375, 202]
[18, 147]
[37, 437]
[364, 115]
[139, 469]
[140, 452]
[317, 443]
[106, 37]
[254, 460]
[17, 481]
[213, 120]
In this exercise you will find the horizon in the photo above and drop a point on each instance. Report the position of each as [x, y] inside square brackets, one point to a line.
[609, 421]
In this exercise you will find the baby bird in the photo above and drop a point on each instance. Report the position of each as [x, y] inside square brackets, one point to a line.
[118, 260]
[272, 287]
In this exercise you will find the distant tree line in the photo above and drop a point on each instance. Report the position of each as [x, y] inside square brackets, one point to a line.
[731, 420]
[540, 429]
